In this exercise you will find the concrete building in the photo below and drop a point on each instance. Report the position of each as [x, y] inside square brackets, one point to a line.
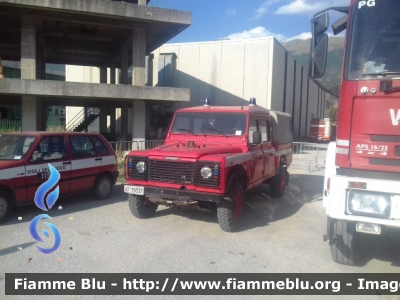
[107, 35]
[228, 71]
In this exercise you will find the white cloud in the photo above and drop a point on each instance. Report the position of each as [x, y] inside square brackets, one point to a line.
[308, 6]
[263, 9]
[301, 36]
[255, 33]
[230, 11]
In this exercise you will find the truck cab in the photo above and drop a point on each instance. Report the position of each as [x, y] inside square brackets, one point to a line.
[211, 156]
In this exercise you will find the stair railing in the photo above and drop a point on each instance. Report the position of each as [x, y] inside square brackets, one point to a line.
[80, 117]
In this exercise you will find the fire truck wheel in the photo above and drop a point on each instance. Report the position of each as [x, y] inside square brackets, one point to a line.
[344, 246]
[278, 183]
[230, 213]
[102, 188]
[141, 208]
[5, 206]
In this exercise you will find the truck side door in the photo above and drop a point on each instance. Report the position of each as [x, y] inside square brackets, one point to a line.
[256, 165]
[268, 150]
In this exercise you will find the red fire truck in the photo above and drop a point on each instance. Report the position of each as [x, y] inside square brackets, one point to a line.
[211, 155]
[361, 189]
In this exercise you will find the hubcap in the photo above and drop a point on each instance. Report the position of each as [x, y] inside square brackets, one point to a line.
[104, 187]
[238, 205]
[3, 207]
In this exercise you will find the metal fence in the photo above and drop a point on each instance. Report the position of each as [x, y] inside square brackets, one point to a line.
[125, 146]
[10, 125]
[306, 156]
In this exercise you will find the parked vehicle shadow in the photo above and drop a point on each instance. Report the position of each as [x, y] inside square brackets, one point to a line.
[70, 204]
[260, 208]
[383, 247]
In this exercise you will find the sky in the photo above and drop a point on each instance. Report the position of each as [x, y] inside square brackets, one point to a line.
[240, 19]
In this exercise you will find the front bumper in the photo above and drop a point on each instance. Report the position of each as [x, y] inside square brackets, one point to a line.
[173, 196]
[336, 200]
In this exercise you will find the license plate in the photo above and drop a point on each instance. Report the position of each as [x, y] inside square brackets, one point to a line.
[132, 189]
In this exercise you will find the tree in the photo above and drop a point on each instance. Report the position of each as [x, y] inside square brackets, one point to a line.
[159, 116]
[333, 114]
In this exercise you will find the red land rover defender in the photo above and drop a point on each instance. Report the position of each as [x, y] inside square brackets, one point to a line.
[211, 155]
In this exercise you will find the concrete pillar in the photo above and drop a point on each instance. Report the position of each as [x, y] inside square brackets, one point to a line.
[112, 74]
[149, 70]
[142, 2]
[139, 56]
[113, 120]
[124, 121]
[103, 119]
[124, 65]
[28, 47]
[103, 75]
[139, 121]
[31, 113]
[31, 106]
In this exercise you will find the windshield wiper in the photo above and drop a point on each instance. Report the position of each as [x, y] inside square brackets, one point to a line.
[212, 129]
[188, 130]
[381, 73]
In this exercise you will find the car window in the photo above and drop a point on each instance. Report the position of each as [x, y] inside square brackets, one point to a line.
[49, 148]
[15, 146]
[253, 127]
[81, 146]
[100, 146]
[265, 131]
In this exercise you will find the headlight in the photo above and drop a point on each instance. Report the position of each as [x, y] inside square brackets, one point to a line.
[369, 204]
[141, 166]
[206, 172]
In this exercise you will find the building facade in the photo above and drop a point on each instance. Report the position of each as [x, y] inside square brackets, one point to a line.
[228, 71]
[109, 36]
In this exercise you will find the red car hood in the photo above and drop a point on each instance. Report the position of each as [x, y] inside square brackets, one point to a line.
[196, 151]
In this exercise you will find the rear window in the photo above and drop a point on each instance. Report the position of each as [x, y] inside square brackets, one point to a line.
[100, 146]
[81, 146]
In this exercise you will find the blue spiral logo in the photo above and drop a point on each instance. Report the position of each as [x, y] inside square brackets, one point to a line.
[51, 199]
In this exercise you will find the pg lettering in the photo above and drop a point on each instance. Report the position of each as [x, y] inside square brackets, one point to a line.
[369, 3]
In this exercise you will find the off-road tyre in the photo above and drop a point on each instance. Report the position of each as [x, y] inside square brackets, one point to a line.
[141, 208]
[344, 247]
[230, 213]
[6, 206]
[103, 187]
[278, 182]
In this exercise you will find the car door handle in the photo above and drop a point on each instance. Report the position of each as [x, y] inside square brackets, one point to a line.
[66, 163]
[271, 154]
[100, 158]
[260, 157]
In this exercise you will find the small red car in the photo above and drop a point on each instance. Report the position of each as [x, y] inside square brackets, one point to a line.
[85, 161]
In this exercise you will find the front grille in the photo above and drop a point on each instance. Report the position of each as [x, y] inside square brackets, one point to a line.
[172, 172]
[214, 180]
[385, 162]
[132, 171]
[397, 150]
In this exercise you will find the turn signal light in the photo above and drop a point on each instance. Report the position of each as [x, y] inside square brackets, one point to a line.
[357, 185]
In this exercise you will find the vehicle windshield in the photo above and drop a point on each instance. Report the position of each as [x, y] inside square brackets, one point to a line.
[374, 41]
[15, 147]
[210, 123]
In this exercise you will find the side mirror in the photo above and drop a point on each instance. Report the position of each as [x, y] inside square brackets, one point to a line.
[256, 137]
[319, 46]
[340, 25]
[320, 24]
